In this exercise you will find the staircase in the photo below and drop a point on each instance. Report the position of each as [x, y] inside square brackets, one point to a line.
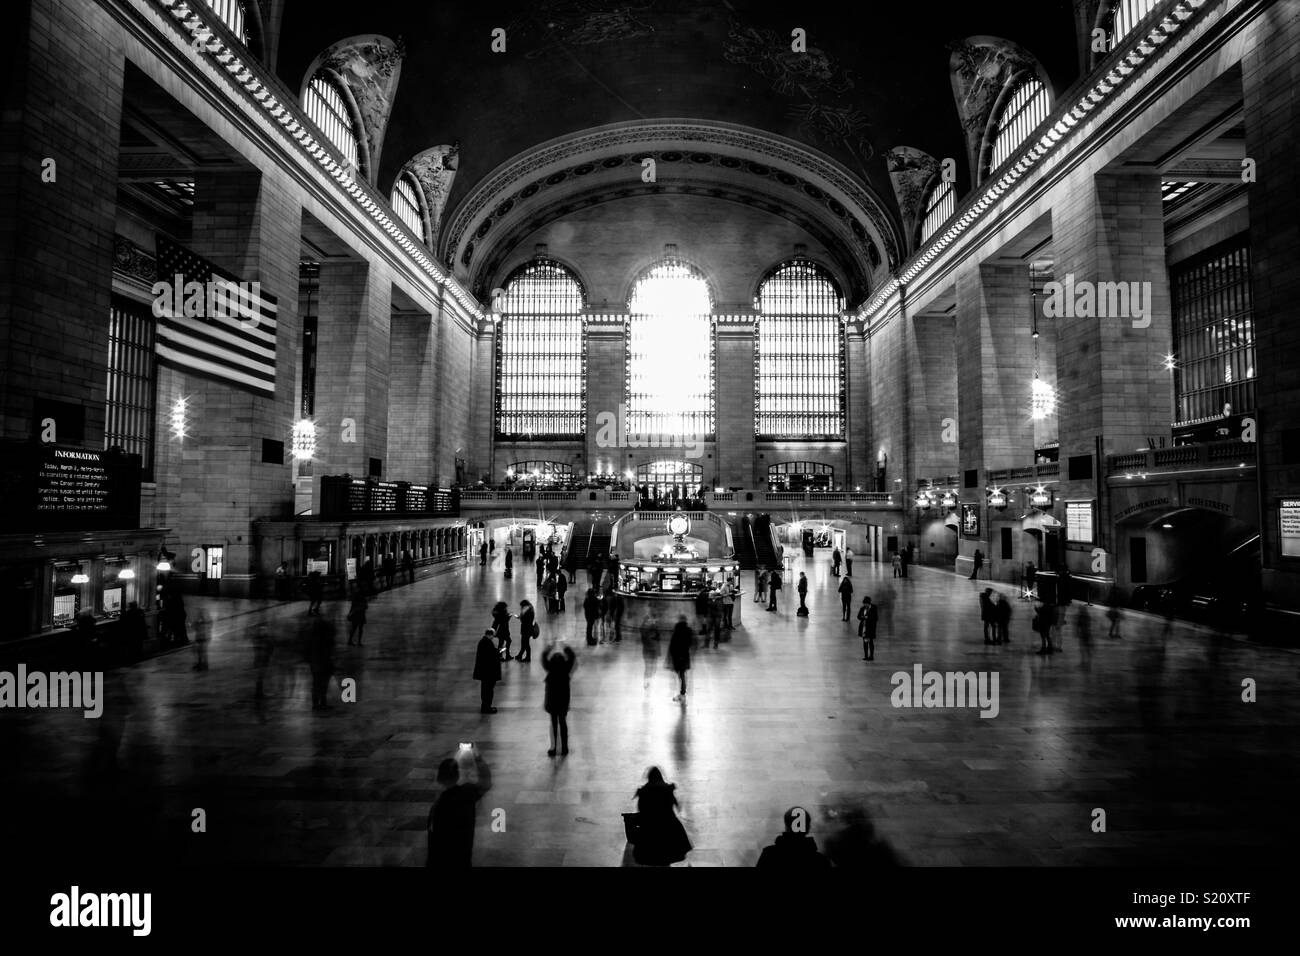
[743, 537]
[764, 548]
[589, 539]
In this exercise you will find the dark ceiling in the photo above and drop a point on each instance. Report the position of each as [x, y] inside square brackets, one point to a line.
[875, 75]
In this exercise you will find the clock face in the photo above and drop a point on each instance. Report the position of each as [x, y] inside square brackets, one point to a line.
[679, 524]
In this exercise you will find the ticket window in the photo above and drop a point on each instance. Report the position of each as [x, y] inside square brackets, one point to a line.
[68, 598]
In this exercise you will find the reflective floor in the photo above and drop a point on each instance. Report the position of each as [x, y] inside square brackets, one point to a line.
[1150, 728]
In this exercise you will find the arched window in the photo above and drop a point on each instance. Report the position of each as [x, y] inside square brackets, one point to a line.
[232, 15]
[406, 203]
[327, 108]
[1128, 14]
[670, 352]
[540, 360]
[799, 359]
[938, 209]
[669, 480]
[800, 476]
[1027, 107]
[537, 471]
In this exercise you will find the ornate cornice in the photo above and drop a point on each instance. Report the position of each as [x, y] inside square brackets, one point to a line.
[787, 164]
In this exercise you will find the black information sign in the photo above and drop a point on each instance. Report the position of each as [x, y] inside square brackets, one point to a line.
[358, 501]
[416, 498]
[344, 495]
[53, 487]
[383, 497]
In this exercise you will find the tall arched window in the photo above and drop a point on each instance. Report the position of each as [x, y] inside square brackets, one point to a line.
[406, 203]
[1127, 14]
[540, 354]
[938, 209]
[232, 14]
[670, 352]
[1027, 107]
[327, 108]
[799, 359]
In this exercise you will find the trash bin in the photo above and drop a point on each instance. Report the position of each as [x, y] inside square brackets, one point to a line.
[1047, 583]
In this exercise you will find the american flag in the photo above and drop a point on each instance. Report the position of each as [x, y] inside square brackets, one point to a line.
[234, 342]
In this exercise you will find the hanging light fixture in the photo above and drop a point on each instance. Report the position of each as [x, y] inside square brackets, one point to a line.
[127, 573]
[1040, 497]
[1042, 397]
[180, 418]
[80, 576]
[304, 439]
[997, 498]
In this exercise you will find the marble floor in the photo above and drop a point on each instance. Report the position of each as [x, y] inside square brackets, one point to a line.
[1150, 728]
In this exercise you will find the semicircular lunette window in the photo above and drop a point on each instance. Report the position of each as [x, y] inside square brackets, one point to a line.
[670, 353]
[540, 358]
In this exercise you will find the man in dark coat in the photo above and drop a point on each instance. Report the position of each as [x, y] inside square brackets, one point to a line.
[846, 596]
[868, 617]
[794, 849]
[836, 558]
[482, 553]
[390, 569]
[487, 670]
[988, 615]
[320, 655]
[591, 609]
[802, 589]
[408, 567]
[774, 585]
[561, 585]
[452, 816]
[679, 653]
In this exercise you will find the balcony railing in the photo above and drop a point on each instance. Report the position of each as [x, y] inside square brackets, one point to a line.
[1181, 457]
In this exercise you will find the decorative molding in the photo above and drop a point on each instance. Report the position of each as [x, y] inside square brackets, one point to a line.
[1060, 126]
[295, 126]
[435, 170]
[911, 170]
[132, 261]
[981, 70]
[517, 179]
[369, 66]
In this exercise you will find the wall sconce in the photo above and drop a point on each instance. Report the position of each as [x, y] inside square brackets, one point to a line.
[997, 498]
[80, 577]
[164, 560]
[127, 573]
[1040, 497]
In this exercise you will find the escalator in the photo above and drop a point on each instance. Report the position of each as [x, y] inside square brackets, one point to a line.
[764, 545]
[743, 538]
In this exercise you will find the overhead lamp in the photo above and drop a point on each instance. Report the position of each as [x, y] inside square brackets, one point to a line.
[81, 577]
[304, 439]
[126, 574]
[997, 498]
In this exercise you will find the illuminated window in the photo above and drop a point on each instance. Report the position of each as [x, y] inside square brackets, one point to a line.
[1026, 109]
[129, 418]
[231, 13]
[1214, 333]
[406, 204]
[540, 354]
[326, 108]
[800, 476]
[938, 209]
[670, 480]
[544, 471]
[799, 358]
[670, 352]
[1128, 14]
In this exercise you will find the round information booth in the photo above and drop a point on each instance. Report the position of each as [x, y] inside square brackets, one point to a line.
[666, 559]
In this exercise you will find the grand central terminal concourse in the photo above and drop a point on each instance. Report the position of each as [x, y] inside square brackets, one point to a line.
[650, 434]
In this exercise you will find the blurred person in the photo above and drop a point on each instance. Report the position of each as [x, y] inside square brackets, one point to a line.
[728, 605]
[527, 631]
[661, 838]
[134, 630]
[591, 610]
[848, 560]
[988, 615]
[616, 609]
[202, 634]
[408, 567]
[846, 596]
[501, 628]
[868, 618]
[679, 653]
[357, 618]
[561, 588]
[558, 664]
[315, 585]
[836, 559]
[760, 584]
[453, 816]
[487, 671]
[263, 651]
[773, 586]
[510, 562]
[320, 656]
[1116, 618]
[794, 849]
[1002, 618]
[977, 563]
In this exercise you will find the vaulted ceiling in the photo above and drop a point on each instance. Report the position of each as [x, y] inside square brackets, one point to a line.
[875, 76]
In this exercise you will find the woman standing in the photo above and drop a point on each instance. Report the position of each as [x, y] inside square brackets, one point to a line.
[501, 628]
[661, 839]
[527, 630]
[559, 666]
[510, 562]
[357, 618]
[679, 653]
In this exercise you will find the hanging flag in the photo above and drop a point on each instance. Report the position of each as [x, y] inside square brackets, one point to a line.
[211, 323]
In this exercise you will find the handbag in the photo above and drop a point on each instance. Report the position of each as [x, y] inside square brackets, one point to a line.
[632, 827]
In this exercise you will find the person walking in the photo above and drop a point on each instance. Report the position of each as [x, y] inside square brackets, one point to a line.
[773, 585]
[848, 560]
[1002, 616]
[802, 590]
[487, 671]
[591, 610]
[1044, 618]
[541, 569]
[202, 634]
[661, 839]
[616, 608]
[794, 849]
[728, 605]
[548, 594]
[988, 615]
[315, 592]
[357, 619]
[501, 628]
[453, 816]
[482, 553]
[703, 609]
[408, 567]
[978, 563]
[282, 581]
[558, 664]
[836, 558]
[510, 562]
[868, 617]
[760, 584]
[527, 631]
[1116, 617]
[492, 547]
[907, 559]
[846, 596]
[679, 653]
[390, 570]
[320, 656]
[898, 564]
[561, 587]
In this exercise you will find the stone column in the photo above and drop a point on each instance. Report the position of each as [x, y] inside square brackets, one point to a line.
[412, 398]
[734, 397]
[606, 393]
